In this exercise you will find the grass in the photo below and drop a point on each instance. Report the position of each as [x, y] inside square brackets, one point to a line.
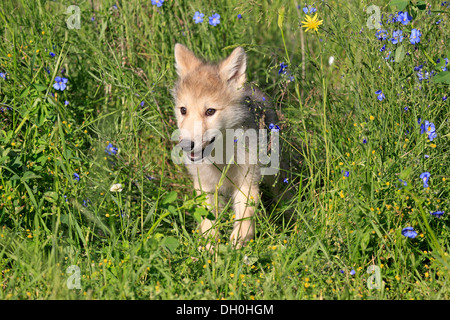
[348, 207]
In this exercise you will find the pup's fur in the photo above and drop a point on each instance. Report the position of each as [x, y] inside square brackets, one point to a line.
[202, 86]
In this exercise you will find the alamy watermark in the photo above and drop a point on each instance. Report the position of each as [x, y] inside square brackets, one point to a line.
[374, 21]
[74, 281]
[74, 20]
[238, 146]
[374, 281]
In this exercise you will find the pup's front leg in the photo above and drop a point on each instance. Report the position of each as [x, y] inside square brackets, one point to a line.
[245, 200]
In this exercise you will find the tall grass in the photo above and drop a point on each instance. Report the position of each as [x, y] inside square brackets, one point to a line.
[61, 151]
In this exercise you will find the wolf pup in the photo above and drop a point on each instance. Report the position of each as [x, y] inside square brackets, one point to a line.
[210, 99]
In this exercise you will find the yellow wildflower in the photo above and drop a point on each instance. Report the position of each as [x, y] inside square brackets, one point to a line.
[311, 23]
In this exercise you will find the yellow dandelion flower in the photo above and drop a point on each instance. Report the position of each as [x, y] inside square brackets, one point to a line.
[311, 23]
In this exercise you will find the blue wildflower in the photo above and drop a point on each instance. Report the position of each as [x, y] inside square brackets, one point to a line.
[428, 128]
[346, 174]
[444, 68]
[282, 68]
[286, 180]
[425, 176]
[3, 75]
[383, 48]
[309, 9]
[409, 232]
[214, 20]
[352, 272]
[404, 17]
[387, 57]
[397, 36]
[198, 17]
[403, 182]
[274, 127]
[437, 213]
[415, 36]
[76, 176]
[380, 95]
[393, 18]
[239, 16]
[158, 3]
[60, 83]
[381, 34]
[110, 149]
[52, 54]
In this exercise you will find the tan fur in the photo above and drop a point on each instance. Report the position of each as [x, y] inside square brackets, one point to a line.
[200, 86]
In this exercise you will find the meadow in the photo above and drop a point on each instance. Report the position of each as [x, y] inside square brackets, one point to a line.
[93, 207]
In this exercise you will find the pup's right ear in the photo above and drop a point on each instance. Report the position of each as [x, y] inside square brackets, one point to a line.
[185, 60]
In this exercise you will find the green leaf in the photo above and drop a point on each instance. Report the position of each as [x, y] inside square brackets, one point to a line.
[170, 243]
[40, 87]
[51, 196]
[443, 76]
[170, 197]
[201, 213]
[24, 93]
[29, 175]
[365, 239]
[400, 4]
[405, 173]
[400, 54]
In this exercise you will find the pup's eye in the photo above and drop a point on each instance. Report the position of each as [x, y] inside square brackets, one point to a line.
[183, 110]
[210, 112]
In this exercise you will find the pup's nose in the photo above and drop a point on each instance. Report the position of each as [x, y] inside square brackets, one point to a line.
[187, 145]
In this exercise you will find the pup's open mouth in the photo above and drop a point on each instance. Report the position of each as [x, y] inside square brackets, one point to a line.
[206, 151]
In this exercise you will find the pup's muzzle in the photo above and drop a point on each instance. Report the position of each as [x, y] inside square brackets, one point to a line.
[188, 146]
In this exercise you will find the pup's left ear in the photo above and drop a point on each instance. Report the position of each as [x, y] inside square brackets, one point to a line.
[232, 69]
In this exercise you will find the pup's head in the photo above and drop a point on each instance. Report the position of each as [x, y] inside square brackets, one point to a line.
[207, 98]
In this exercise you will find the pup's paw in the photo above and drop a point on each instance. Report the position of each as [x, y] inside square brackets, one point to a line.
[242, 233]
[209, 247]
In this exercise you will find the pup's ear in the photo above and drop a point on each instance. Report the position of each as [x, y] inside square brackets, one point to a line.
[232, 69]
[185, 60]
